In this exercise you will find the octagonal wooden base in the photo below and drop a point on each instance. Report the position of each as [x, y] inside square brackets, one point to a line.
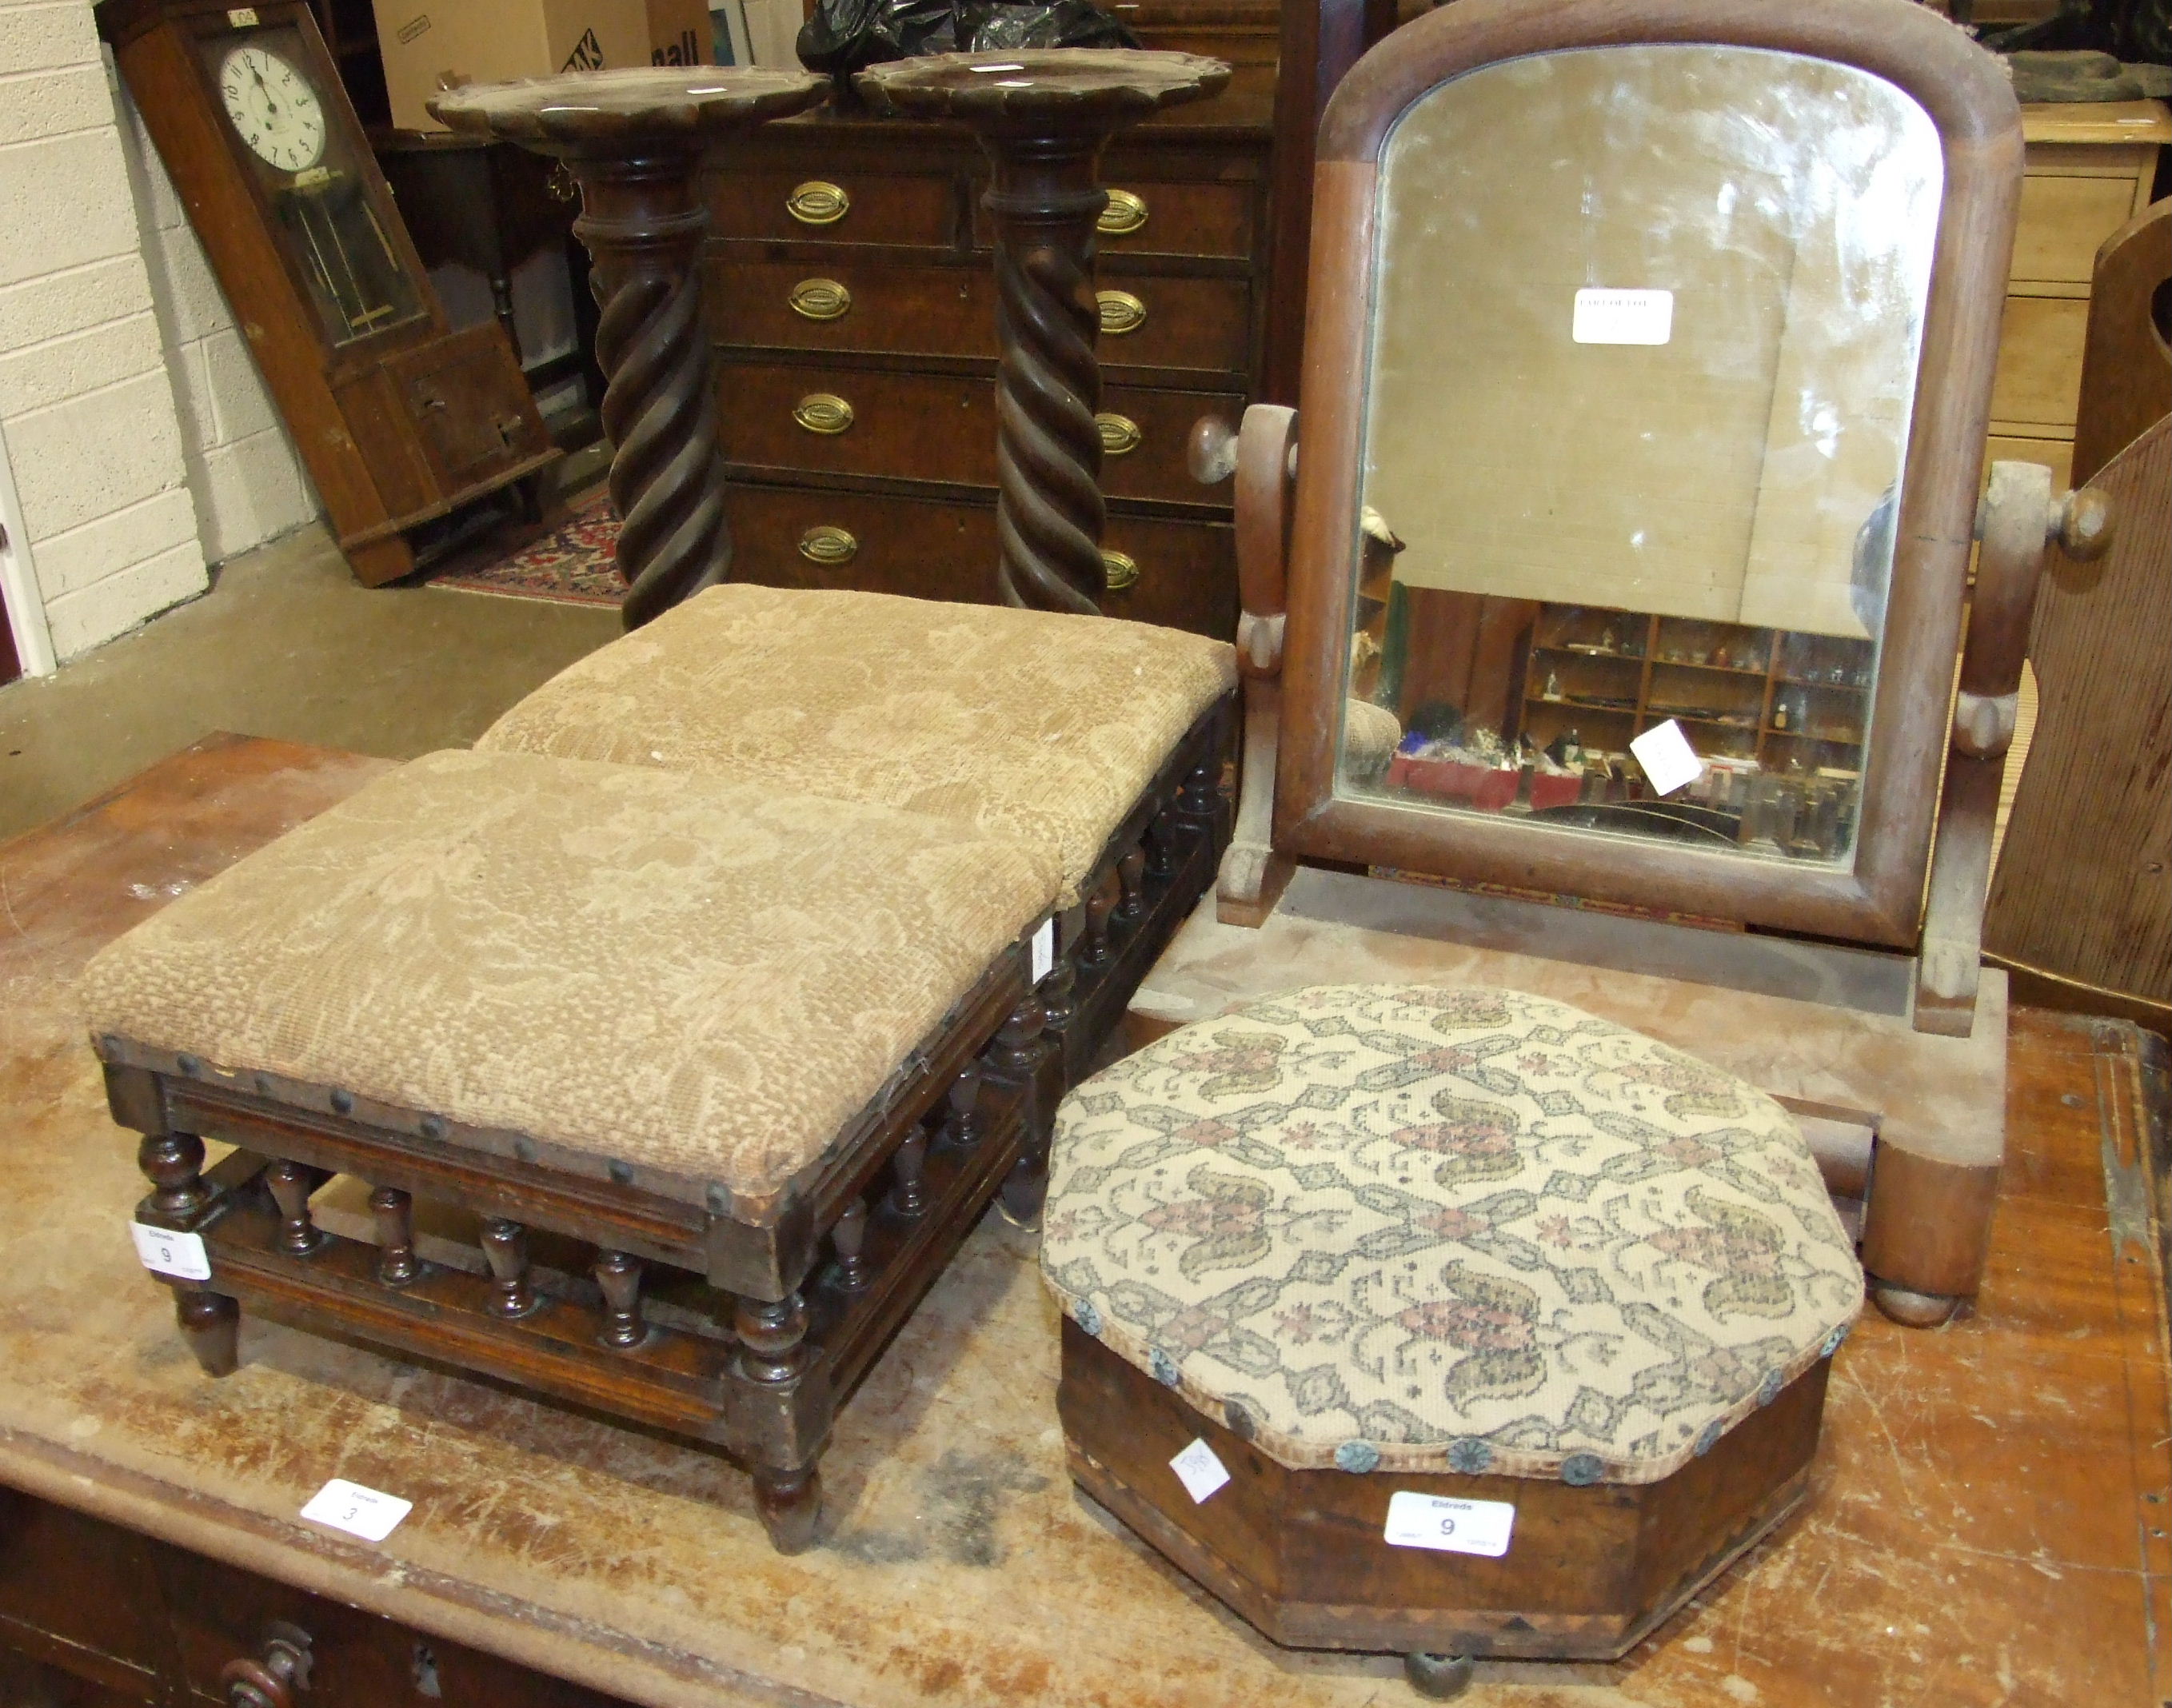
[1588, 1573]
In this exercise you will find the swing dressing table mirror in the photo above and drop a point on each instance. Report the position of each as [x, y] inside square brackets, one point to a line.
[1625, 562]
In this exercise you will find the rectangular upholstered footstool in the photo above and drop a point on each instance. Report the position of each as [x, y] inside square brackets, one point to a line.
[1103, 739]
[720, 1075]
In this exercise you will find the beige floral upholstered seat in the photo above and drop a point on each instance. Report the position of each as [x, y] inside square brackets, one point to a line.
[1024, 724]
[1434, 1229]
[664, 974]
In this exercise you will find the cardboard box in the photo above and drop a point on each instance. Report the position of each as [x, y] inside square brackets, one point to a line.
[430, 44]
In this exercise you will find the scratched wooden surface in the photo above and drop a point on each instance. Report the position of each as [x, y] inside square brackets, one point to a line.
[1986, 1526]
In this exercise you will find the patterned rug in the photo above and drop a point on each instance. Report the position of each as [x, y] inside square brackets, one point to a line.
[572, 565]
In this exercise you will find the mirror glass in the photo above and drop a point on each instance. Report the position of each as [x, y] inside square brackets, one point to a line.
[1642, 351]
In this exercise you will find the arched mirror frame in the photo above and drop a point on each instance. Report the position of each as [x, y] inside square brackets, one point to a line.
[1879, 900]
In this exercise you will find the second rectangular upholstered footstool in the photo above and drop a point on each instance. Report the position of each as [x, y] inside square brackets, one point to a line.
[746, 1063]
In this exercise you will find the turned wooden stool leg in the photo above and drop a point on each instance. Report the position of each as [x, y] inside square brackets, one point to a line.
[211, 1323]
[633, 141]
[173, 1162]
[961, 1122]
[1021, 1053]
[772, 1359]
[1042, 116]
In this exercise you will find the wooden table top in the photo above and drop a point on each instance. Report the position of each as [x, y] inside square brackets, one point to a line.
[1976, 1533]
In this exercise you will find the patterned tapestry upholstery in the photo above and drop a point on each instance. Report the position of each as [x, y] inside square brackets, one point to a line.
[1024, 724]
[1437, 1229]
[703, 978]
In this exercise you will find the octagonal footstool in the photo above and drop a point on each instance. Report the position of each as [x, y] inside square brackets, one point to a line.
[1452, 1322]
[666, 1095]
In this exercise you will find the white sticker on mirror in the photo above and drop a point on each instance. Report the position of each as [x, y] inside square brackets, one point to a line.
[1664, 753]
[241, 17]
[1044, 950]
[1452, 1527]
[1623, 317]
[1199, 1470]
[359, 1511]
[165, 1252]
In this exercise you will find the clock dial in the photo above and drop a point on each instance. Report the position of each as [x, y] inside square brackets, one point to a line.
[273, 107]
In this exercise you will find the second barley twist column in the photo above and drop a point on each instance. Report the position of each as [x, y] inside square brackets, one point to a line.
[633, 141]
[1043, 114]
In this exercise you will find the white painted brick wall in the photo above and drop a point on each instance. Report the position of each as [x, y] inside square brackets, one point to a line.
[247, 480]
[141, 441]
[92, 436]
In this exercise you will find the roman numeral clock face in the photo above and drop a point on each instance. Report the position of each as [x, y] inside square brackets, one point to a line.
[273, 107]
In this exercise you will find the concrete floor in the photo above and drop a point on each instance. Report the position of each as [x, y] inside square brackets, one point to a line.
[287, 644]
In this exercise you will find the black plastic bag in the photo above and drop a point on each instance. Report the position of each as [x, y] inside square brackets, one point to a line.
[994, 28]
[843, 35]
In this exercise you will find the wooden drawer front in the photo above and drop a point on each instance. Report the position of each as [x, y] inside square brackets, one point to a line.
[919, 426]
[2038, 380]
[933, 550]
[26, 1683]
[357, 1660]
[794, 206]
[80, 1595]
[1200, 323]
[1179, 220]
[2062, 221]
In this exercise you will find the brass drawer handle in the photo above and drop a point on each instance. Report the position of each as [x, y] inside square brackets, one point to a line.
[826, 299]
[1120, 312]
[1120, 434]
[823, 412]
[1124, 214]
[828, 545]
[816, 202]
[1119, 570]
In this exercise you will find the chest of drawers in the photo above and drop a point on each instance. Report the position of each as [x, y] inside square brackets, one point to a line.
[851, 299]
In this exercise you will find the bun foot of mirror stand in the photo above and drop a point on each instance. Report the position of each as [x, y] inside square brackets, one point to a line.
[1439, 1678]
[790, 1503]
[634, 141]
[211, 1323]
[1912, 1309]
[1043, 114]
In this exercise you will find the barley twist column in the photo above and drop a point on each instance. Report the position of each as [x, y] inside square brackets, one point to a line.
[1042, 116]
[633, 141]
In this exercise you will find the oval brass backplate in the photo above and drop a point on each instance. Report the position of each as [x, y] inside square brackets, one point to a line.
[823, 412]
[1120, 434]
[828, 545]
[1124, 214]
[826, 299]
[1119, 570]
[1120, 312]
[816, 202]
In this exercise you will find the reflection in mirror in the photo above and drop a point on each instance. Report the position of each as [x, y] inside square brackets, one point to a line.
[1644, 346]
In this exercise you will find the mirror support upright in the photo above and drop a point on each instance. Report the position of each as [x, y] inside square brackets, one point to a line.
[2016, 519]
